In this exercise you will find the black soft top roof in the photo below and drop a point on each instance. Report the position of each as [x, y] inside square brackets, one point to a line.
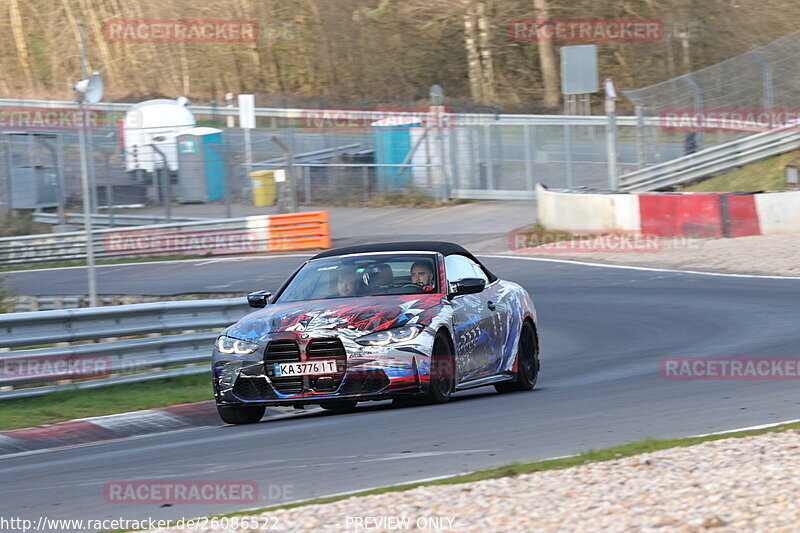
[445, 248]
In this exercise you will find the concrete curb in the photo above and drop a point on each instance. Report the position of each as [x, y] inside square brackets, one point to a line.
[112, 427]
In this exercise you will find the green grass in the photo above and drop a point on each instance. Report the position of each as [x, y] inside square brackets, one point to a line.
[516, 469]
[115, 261]
[767, 175]
[67, 405]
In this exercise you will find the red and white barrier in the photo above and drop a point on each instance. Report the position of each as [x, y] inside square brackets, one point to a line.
[671, 214]
[778, 212]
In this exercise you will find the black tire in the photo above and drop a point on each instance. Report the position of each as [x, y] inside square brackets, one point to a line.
[443, 380]
[339, 406]
[241, 414]
[528, 364]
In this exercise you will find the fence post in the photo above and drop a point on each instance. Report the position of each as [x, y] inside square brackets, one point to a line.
[766, 69]
[568, 155]
[698, 104]
[487, 128]
[526, 139]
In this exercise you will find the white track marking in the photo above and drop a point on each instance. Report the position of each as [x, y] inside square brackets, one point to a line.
[751, 428]
[646, 269]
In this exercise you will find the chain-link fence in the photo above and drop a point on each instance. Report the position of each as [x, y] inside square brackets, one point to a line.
[350, 164]
[764, 79]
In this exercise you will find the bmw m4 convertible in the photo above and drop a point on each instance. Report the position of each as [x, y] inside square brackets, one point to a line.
[407, 321]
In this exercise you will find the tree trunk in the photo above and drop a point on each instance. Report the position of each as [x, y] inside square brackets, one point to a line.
[19, 40]
[473, 57]
[487, 63]
[547, 60]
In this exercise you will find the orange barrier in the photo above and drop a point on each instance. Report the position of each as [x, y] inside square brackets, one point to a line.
[299, 231]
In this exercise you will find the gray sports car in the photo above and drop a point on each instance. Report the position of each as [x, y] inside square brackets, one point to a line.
[408, 321]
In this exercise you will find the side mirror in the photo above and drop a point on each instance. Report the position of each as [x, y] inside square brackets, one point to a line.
[467, 286]
[258, 299]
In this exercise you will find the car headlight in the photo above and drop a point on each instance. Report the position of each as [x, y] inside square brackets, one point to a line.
[389, 336]
[235, 346]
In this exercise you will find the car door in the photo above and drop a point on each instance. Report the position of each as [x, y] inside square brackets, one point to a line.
[495, 324]
[470, 316]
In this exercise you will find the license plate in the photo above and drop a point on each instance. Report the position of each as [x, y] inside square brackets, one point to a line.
[309, 368]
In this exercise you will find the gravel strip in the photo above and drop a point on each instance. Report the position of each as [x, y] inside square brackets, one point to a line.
[777, 255]
[737, 484]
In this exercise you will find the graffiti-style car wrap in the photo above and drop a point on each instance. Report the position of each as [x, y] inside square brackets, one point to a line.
[376, 345]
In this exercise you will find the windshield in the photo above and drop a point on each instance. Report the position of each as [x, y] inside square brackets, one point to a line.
[363, 275]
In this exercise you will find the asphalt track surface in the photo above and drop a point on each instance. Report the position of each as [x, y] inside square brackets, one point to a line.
[603, 331]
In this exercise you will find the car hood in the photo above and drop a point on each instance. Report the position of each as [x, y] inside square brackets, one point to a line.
[323, 318]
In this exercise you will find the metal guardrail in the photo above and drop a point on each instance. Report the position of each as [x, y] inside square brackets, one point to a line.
[25, 304]
[178, 343]
[100, 220]
[714, 160]
[296, 231]
[294, 113]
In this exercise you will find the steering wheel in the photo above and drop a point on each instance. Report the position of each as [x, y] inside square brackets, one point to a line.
[410, 285]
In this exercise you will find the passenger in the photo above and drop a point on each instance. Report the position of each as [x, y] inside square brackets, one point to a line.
[422, 274]
[349, 283]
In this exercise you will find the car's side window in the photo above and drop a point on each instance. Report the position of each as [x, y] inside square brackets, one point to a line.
[479, 273]
[458, 267]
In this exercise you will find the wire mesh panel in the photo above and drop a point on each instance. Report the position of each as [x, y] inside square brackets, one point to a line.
[766, 79]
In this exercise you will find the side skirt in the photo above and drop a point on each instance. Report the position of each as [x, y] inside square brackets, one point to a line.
[489, 380]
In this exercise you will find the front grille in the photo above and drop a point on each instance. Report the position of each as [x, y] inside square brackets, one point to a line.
[331, 348]
[364, 382]
[252, 388]
[283, 351]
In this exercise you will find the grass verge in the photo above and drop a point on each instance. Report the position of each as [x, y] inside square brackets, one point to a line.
[767, 175]
[516, 469]
[67, 405]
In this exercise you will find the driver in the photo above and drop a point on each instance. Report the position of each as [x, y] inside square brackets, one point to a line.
[349, 283]
[422, 274]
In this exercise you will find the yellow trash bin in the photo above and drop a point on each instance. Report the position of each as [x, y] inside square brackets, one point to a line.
[263, 188]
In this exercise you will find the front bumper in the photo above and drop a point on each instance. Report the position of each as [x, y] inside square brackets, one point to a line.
[363, 376]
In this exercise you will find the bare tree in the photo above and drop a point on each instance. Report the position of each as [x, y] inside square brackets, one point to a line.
[547, 59]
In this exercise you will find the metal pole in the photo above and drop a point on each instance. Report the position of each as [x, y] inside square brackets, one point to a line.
[487, 128]
[109, 191]
[526, 139]
[164, 183]
[640, 136]
[307, 187]
[766, 69]
[611, 144]
[87, 215]
[568, 155]
[248, 148]
[698, 105]
[290, 181]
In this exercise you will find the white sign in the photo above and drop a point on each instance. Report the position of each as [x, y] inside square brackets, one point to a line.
[579, 69]
[247, 111]
[280, 176]
[611, 92]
